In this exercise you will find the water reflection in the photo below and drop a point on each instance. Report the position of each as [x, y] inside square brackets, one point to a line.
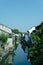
[8, 61]
[25, 49]
[19, 57]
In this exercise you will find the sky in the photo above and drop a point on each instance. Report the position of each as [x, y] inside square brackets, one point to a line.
[21, 14]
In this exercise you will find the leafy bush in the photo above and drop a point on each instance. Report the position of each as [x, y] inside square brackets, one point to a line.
[3, 38]
[36, 52]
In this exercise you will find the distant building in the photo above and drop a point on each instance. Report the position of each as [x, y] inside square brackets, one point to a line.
[31, 30]
[26, 37]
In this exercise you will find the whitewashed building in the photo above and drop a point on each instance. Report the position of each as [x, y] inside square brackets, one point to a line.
[31, 30]
[5, 29]
[8, 31]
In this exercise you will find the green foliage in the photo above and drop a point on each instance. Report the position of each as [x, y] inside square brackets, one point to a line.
[3, 38]
[15, 31]
[36, 52]
[16, 46]
[15, 38]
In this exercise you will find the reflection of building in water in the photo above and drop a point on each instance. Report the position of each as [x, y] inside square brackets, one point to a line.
[8, 61]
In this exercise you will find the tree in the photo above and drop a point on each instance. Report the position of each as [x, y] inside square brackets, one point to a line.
[15, 31]
[36, 52]
[3, 38]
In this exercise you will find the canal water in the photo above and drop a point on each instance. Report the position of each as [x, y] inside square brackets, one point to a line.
[19, 57]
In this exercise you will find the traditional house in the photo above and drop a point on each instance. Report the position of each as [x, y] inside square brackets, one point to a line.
[7, 31]
[31, 30]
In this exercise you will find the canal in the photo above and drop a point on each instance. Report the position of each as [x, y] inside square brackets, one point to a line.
[19, 57]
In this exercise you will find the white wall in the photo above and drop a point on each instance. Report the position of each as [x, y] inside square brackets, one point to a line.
[32, 29]
[10, 45]
[10, 40]
[6, 29]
